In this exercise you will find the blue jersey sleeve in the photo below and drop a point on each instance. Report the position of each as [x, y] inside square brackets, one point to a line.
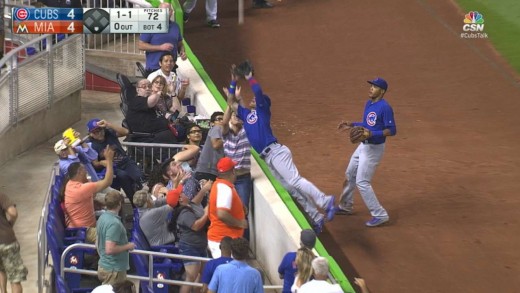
[242, 112]
[388, 119]
[261, 100]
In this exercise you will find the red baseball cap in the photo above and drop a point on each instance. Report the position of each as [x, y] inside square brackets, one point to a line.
[225, 165]
[172, 198]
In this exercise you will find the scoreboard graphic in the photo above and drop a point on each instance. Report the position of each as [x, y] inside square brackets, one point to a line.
[90, 20]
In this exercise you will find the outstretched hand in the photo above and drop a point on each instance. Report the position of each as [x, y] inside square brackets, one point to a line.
[233, 70]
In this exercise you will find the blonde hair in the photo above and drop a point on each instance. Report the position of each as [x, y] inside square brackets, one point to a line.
[161, 78]
[304, 257]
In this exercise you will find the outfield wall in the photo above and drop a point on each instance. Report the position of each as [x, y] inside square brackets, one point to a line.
[278, 221]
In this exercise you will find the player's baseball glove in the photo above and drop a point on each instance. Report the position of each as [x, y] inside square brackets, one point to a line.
[244, 68]
[359, 134]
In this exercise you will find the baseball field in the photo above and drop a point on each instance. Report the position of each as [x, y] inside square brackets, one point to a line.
[449, 179]
[504, 24]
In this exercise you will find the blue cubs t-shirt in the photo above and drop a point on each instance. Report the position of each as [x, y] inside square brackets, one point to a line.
[288, 269]
[257, 122]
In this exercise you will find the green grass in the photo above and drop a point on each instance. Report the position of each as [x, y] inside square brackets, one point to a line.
[502, 24]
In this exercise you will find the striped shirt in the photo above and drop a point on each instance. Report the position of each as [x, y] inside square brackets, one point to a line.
[238, 148]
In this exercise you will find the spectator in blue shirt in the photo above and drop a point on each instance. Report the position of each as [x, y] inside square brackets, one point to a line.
[237, 275]
[211, 266]
[287, 269]
[82, 153]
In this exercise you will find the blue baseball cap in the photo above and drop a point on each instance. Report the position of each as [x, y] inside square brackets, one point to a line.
[379, 82]
[93, 124]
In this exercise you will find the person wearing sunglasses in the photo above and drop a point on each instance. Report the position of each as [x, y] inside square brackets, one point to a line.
[212, 151]
[194, 135]
[142, 116]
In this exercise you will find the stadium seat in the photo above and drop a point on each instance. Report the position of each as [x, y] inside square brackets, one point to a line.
[58, 238]
[165, 267]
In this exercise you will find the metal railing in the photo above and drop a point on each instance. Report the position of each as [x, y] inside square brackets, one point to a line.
[150, 278]
[36, 83]
[43, 252]
[117, 43]
[151, 152]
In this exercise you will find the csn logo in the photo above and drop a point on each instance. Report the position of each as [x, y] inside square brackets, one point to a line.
[473, 22]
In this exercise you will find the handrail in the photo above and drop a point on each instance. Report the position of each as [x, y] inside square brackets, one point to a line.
[15, 51]
[150, 278]
[41, 239]
[155, 145]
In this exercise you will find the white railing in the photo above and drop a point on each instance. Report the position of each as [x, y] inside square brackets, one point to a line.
[150, 278]
[52, 73]
[117, 43]
[43, 252]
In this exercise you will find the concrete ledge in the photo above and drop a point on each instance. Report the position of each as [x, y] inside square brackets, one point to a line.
[118, 62]
[40, 127]
[275, 231]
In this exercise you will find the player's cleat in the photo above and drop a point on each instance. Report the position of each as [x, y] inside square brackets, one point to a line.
[213, 23]
[318, 226]
[344, 210]
[263, 4]
[374, 222]
[330, 210]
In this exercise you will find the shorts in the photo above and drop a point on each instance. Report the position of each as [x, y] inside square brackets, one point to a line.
[188, 250]
[110, 277]
[91, 235]
[11, 262]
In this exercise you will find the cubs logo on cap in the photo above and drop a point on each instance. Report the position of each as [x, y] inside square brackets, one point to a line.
[379, 82]
[93, 124]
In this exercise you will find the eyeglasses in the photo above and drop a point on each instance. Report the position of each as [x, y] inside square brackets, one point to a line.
[159, 82]
[147, 86]
[195, 131]
[219, 119]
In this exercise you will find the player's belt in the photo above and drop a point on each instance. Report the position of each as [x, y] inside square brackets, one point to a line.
[267, 150]
[367, 142]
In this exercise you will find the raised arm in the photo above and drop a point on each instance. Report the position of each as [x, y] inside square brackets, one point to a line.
[206, 187]
[200, 222]
[231, 100]
[225, 122]
[188, 152]
[109, 175]
[257, 90]
[153, 99]
[234, 91]
[120, 131]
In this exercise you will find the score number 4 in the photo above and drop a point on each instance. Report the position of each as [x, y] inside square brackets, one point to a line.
[71, 14]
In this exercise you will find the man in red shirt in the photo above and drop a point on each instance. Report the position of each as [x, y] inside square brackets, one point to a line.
[78, 205]
[226, 210]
